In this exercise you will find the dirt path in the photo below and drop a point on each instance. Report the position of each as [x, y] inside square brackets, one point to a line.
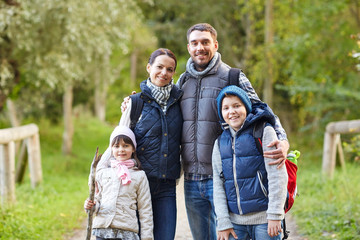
[183, 229]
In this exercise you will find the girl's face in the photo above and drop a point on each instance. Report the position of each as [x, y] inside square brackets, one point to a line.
[162, 70]
[122, 151]
[233, 111]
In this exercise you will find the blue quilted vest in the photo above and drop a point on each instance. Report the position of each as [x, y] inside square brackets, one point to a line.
[244, 173]
[158, 135]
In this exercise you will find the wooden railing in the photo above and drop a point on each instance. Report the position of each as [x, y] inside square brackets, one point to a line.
[332, 143]
[29, 135]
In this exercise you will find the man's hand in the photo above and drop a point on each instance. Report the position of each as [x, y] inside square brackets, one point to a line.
[280, 153]
[224, 235]
[125, 102]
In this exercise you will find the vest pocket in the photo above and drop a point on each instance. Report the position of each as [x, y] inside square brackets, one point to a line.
[260, 177]
[210, 92]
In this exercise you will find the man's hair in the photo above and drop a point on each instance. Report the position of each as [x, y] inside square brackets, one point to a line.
[202, 27]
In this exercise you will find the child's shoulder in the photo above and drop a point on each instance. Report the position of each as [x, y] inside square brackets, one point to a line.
[137, 171]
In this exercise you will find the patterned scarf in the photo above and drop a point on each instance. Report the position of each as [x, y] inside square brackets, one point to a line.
[122, 171]
[190, 66]
[160, 94]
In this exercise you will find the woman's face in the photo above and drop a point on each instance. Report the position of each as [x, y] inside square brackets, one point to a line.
[162, 70]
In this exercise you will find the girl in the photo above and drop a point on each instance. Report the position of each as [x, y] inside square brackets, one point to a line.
[121, 191]
[158, 134]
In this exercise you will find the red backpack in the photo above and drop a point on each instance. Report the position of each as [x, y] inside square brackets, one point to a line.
[291, 167]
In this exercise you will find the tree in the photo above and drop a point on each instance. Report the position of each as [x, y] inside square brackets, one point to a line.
[56, 43]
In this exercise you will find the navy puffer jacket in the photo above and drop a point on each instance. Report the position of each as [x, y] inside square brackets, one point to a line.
[158, 135]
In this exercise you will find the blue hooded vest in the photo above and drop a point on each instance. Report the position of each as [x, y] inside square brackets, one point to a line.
[245, 176]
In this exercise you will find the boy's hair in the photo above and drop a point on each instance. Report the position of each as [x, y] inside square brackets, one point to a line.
[202, 27]
[126, 139]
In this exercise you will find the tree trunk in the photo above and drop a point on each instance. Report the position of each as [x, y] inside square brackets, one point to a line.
[102, 81]
[12, 113]
[133, 66]
[68, 123]
[249, 38]
[269, 40]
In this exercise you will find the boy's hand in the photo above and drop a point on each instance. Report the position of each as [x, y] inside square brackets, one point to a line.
[274, 227]
[125, 102]
[280, 153]
[224, 235]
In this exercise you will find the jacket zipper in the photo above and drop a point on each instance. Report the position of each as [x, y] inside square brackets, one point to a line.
[198, 87]
[234, 175]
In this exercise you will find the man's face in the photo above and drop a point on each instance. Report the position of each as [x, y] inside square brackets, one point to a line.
[201, 48]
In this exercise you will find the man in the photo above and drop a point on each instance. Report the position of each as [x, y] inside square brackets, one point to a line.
[205, 76]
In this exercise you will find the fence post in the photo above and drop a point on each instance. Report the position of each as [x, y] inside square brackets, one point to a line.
[34, 158]
[7, 172]
[329, 154]
[30, 134]
[332, 141]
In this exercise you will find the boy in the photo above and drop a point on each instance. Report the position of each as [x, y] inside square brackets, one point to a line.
[249, 194]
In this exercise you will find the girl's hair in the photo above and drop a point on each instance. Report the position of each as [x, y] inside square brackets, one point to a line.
[126, 139]
[162, 51]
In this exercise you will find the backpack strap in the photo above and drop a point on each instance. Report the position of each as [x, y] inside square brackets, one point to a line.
[137, 104]
[258, 133]
[183, 78]
[234, 74]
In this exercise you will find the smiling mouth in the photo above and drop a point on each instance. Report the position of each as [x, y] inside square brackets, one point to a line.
[201, 54]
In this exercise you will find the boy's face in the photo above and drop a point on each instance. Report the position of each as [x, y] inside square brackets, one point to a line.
[233, 111]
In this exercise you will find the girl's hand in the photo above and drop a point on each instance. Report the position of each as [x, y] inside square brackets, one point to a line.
[89, 204]
[224, 235]
[274, 227]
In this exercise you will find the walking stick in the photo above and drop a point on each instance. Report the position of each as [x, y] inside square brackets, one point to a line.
[92, 192]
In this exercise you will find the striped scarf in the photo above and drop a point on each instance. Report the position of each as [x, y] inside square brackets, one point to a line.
[160, 94]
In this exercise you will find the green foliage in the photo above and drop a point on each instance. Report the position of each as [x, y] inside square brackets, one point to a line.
[353, 148]
[53, 209]
[315, 68]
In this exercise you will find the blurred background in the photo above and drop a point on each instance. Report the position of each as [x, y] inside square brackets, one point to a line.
[67, 65]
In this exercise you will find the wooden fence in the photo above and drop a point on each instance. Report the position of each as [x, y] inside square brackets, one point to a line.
[29, 136]
[332, 143]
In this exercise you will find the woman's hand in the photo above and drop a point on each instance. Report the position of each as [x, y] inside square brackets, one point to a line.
[125, 102]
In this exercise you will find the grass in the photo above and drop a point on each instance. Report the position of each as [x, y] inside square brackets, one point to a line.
[55, 208]
[325, 209]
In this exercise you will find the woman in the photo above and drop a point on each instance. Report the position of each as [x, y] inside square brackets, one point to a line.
[158, 135]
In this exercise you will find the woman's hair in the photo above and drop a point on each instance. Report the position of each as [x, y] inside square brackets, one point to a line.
[162, 51]
[117, 140]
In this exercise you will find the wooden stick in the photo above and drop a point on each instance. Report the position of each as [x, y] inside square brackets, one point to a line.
[92, 192]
